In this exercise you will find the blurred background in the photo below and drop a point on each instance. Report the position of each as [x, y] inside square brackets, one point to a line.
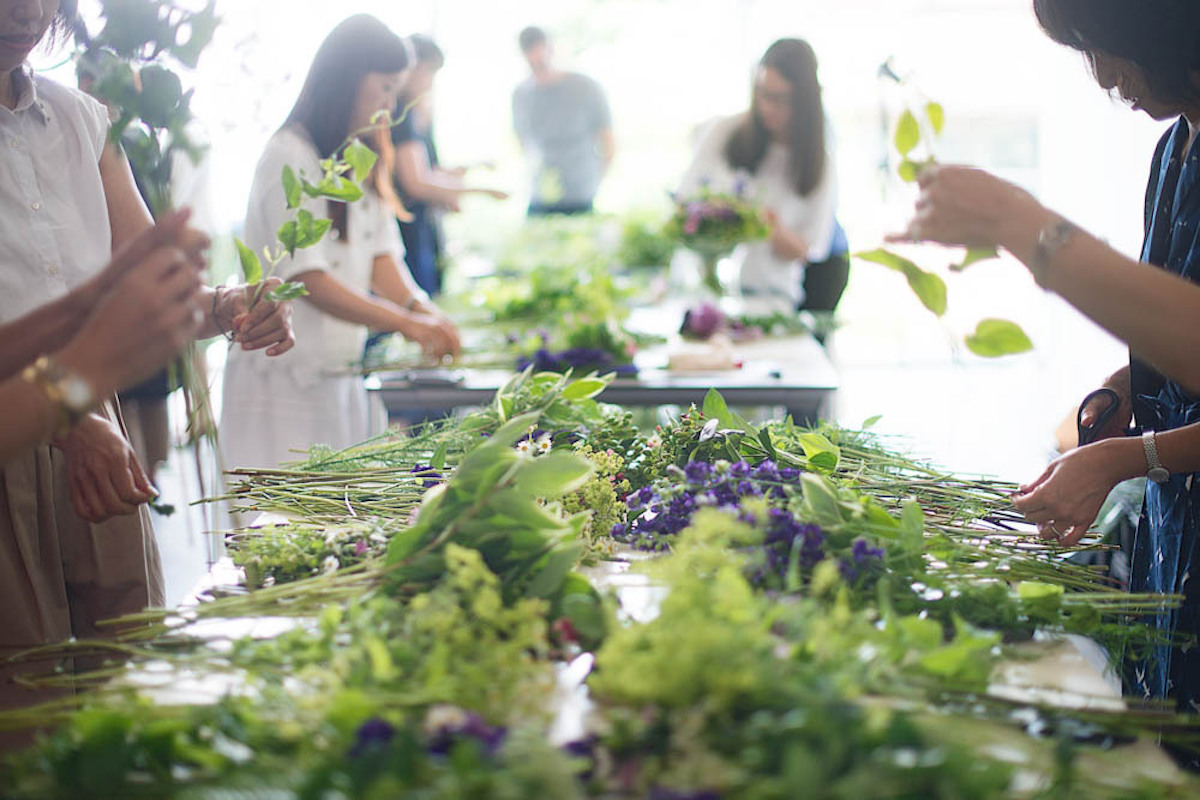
[1015, 103]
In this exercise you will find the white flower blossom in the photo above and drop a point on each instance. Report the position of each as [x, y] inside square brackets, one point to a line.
[524, 446]
[654, 442]
[544, 445]
[330, 565]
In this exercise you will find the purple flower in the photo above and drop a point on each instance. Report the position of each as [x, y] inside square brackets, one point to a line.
[665, 793]
[698, 472]
[373, 734]
[431, 476]
[447, 726]
[360, 548]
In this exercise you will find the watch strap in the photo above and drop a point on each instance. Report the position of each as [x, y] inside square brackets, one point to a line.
[1155, 470]
[1050, 240]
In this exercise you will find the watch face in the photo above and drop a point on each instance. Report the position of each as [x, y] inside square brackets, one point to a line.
[1158, 475]
[76, 394]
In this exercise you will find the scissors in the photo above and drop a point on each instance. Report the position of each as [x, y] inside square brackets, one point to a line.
[1089, 433]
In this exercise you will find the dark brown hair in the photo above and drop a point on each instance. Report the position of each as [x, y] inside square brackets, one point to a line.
[796, 62]
[1161, 37]
[358, 46]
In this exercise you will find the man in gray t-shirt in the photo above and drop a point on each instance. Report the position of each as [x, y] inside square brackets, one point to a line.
[565, 128]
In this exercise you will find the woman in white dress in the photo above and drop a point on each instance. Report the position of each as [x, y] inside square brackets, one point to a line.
[779, 155]
[275, 412]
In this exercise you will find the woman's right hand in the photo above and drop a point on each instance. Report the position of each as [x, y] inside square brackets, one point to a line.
[436, 334]
[149, 315]
[1119, 383]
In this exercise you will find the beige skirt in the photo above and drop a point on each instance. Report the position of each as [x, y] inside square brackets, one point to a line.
[61, 576]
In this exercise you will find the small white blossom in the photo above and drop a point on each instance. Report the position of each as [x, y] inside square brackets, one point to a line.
[524, 446]
[330, 565]
[544, 445]
[654, 442]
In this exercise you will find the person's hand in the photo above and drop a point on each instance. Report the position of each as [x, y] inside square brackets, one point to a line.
[255, 321]
[103, 473]
[968, 207]
[785, 244]
[1066, 499]
[1115, 427]
[145, 320]
[437, 335]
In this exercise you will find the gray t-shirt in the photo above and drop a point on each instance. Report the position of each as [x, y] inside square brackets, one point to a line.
[559, 124]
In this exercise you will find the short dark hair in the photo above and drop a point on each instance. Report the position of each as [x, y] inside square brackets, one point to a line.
[1161, 37]
[795, 60]
[427, 51]
[531, 37]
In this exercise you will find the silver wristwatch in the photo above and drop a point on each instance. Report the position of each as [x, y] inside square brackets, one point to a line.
[1155, 471]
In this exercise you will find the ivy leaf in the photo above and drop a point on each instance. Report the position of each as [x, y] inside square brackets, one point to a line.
[161, 101]
[820, 452]
[715, 408]
[584, 388]
[292, 189]
[908, 133]
[974, 256]
[937, 117]
[909, 170]
[871, 422]
[998, 337]
[929, 288]
[251, 266]
[201, 26]
[334, 187]
[309, 230]
[286, 292]
[361, 159]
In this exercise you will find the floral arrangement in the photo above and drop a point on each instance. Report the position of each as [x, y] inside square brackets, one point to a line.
[712, 224]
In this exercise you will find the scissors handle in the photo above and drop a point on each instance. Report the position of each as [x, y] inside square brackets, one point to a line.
[1088, 433]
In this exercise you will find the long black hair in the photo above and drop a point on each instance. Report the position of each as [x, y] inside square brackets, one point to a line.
[796, 62]
[358, 46]
[1161, 37]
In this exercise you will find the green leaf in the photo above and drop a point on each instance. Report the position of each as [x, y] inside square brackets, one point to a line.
[716, 408]
[937, 116]
[584, 388]
[309, 230]
[553, 475]
[821, 500]
[871, 422]
[334, 187]
[201, 26]
[292, 189]
[908, 133]
[361, 159]
[289, 235]
[820, 452]
[998, 337]
[251, 266]
[928, 287]
[909, 171]
[286, 292]
[974, 256]
[438, 462]
[553, 570]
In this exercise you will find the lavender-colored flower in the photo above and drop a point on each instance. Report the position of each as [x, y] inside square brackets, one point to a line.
[431, 477]
[446, 726]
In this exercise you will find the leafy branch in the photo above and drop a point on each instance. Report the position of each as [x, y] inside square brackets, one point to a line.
[992, 337]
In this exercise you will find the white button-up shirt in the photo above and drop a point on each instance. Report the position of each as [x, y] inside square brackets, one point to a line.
[54, 226]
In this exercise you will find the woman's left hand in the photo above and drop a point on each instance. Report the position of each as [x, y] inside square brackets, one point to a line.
[268, 324]
[1066, 499]
[785, 244]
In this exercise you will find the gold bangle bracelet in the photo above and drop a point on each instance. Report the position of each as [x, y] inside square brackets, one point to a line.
[39, 375]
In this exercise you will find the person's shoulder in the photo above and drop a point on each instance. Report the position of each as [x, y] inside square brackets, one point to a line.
[583, 81]
[289, 147]
[68, 100]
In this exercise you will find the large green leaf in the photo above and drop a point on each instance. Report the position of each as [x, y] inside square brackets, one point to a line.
[292, 190]
[908, 133]
[974, 256]
[998, 337]
[361, 160]
[251, 266]
[820, 452]
[929, 288]
[553, 475]
[937, 116]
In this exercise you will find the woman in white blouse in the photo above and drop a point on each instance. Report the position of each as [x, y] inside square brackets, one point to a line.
[779, 155]
[272, 412]
[76, 542]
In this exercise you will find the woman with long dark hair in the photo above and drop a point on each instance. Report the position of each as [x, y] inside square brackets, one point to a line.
[780, 154]
[311, 397]
[1148, 53]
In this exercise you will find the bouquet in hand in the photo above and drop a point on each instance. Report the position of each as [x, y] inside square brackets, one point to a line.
[712, 224]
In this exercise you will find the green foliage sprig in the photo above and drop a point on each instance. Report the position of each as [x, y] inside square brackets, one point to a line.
[992, 338]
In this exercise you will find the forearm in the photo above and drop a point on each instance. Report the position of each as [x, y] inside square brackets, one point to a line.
[29, 417]
[434, 187]
[334, 298]
[43, 330]
[1151, 310]
[1178, 450]
[395, 283]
